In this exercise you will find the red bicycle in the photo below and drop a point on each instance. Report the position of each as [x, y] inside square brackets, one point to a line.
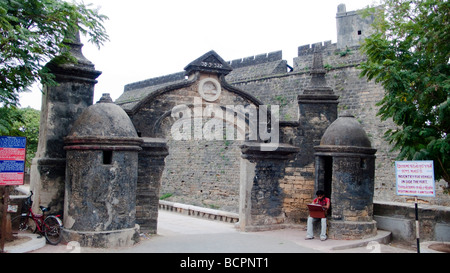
[49, 226]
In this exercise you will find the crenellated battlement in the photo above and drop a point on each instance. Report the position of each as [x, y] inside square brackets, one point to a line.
[156, 81]
[309, 49]
[333, 56]
[257, 59]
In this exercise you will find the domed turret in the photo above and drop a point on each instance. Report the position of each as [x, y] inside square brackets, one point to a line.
[346, 131]
[345, 170]
[105, 120]
[101, 177]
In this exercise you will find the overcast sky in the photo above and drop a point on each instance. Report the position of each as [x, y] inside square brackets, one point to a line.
[154, 38]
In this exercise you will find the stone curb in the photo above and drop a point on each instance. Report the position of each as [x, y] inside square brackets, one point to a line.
[33, 244]
[382, 237]
[211, 214]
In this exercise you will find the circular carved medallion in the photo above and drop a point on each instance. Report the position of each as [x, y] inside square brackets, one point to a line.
[209, 89]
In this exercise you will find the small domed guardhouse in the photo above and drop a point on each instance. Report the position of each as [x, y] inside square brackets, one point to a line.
[345, 170]
[101, 175]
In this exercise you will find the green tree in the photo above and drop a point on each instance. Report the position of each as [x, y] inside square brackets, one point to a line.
[26, 124]
[33, 32]
[7, 116]
[409, 55]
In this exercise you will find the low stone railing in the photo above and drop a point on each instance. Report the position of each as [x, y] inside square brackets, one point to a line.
[206, 213]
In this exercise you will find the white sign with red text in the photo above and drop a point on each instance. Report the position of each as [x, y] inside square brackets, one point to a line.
[415, 178]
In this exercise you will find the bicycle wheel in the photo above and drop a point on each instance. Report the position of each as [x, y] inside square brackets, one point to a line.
[22, 223]
[52, 230]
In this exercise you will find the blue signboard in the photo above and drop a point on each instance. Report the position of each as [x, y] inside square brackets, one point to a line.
[12, 160]
[13, 142]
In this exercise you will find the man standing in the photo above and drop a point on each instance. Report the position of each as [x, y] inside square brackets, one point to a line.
[325, 203]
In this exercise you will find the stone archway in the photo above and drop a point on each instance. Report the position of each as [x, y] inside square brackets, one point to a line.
[203, 170]
[197, 171]
[185, 120]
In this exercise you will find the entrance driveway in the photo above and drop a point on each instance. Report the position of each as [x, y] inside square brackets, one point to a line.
[178, 233]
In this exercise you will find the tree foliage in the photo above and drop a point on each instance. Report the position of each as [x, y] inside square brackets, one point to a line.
[409, 55]
[32, 33]
[25, 123]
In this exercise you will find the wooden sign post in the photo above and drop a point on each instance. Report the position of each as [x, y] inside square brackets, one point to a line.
[5, 235]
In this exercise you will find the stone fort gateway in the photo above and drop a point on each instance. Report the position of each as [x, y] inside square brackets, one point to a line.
[252, 139]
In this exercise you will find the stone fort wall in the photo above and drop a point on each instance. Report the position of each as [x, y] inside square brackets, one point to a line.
[213, 168]
[269, 79]
[356, 94]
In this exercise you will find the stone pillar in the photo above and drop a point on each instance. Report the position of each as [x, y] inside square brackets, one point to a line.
[151, 166]
[317, 107]
[261, 198]
[61, 106]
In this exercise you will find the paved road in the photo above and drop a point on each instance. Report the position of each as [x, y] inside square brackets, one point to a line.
[179, 233]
